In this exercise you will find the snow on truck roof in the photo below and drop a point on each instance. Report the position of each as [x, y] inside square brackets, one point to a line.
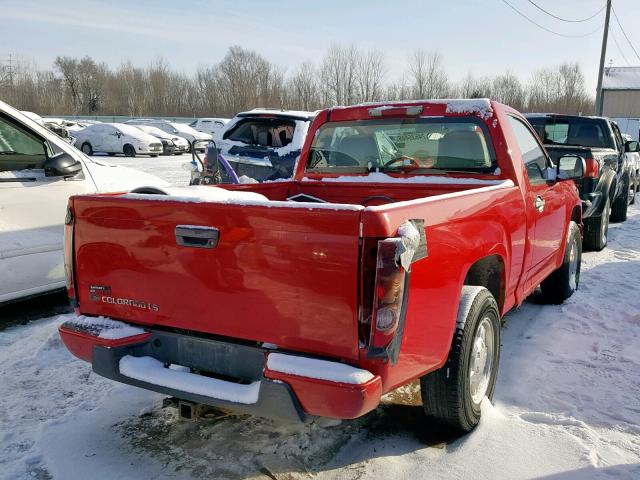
[478, 106]
[621, 78]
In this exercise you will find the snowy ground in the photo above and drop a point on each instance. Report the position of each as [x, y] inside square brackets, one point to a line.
[169, 168]
[567, 404]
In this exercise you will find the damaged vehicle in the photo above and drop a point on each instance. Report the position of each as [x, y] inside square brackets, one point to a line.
[406, 233]
[260, 145]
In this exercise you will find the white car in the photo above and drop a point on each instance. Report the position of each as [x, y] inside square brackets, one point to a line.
[39, 171]
[180, 145]
[213, 126]
[113, 138]
[181, 129]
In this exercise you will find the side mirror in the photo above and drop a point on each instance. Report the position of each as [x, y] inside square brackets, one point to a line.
[632, 146]
[570, 167]
[62, 165]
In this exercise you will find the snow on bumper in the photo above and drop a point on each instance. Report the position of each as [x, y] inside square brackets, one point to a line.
[81, 334]
[263, 382]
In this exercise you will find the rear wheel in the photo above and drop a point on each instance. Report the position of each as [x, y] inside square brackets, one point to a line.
[87, 149]
[454, 393]
[561, 284]
[597, 229]
[129, 151]
[619, 208]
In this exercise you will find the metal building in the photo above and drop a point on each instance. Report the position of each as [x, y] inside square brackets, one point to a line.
[621, 92]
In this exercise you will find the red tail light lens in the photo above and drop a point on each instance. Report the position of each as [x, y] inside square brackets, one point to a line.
[593, 167]
[389, 294]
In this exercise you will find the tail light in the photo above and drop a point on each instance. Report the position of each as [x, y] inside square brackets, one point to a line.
[592, 167]
[388, 297]
[69, 222]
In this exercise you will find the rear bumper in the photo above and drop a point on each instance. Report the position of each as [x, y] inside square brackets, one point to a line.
[236, 378]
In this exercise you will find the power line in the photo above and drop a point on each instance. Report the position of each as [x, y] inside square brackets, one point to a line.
[625, 33]
[620, 49]
[548, 29]
[565, 19]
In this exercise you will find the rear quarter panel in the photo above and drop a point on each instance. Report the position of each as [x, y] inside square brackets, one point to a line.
[460, 229]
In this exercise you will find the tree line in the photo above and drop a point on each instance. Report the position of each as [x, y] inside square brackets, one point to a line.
[244, 79]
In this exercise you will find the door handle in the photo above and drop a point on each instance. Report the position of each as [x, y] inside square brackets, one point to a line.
[539, 203]
[197, 236]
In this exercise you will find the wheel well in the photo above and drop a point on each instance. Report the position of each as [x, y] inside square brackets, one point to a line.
[488, 272]
[127, 145]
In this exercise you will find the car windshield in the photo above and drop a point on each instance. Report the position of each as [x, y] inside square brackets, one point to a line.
[580, 132]
[424, 145]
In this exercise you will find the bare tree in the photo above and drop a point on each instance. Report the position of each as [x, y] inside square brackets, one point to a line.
[427, 75]
[338, 74]
[507, 89]
[370, 77]
[302, 88]
[474, 87]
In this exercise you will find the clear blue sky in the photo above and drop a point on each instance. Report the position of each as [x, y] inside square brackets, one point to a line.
[483, 36]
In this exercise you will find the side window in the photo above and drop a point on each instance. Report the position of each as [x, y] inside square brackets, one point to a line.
[534, 158]
[20, 149]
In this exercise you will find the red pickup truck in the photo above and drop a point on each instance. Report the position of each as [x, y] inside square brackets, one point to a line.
[408, 231]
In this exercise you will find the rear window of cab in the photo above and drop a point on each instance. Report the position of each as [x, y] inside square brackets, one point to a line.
[412, 145]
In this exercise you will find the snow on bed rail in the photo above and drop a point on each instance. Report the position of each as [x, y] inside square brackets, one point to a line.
[201, 194]
[503, 184]
[150, 370]
[319, 369]
[104, 327]
[379, 177]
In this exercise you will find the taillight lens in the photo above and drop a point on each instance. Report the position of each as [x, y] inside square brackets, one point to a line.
[592, 167]
[389, 294]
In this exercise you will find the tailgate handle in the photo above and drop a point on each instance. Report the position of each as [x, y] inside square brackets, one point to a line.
[197, 236]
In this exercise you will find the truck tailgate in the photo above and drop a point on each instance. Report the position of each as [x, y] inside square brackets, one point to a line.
[287, 276]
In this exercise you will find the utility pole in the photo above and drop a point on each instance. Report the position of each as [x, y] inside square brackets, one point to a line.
[603, 52]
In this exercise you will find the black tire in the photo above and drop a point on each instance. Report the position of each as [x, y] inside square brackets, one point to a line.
[87, 149]
[447, 393]
[561, 284]
[129, 151]
[620, 204]
[596, 230]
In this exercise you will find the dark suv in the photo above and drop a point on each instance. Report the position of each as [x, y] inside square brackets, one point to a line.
[608, 186]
